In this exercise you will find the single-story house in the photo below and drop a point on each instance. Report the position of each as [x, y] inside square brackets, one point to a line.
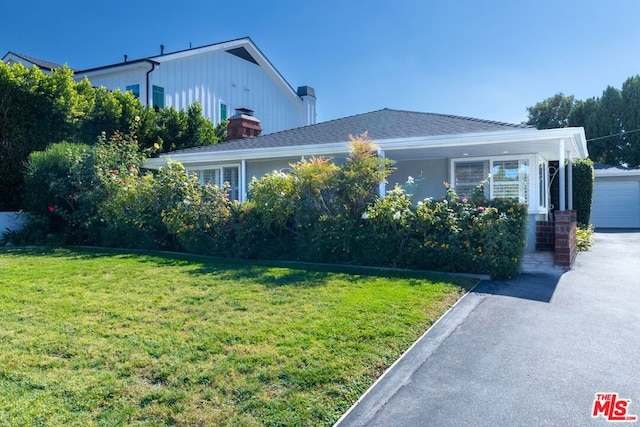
[462, 151]
[616, 197]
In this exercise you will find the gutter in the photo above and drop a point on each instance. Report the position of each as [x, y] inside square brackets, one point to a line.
[153, 67]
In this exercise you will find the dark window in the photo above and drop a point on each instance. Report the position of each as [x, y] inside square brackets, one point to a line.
[134, 89]
[158, 97]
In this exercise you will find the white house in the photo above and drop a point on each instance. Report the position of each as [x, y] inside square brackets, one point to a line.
[221, 77]
[513, 159]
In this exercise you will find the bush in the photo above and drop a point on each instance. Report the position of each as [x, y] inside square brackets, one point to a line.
[583, 177]
[200, 216]
[318, 212]
[584, 237]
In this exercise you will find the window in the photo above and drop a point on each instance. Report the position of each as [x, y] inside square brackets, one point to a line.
[542, 183]
[468, 175]
[134, 89]
[228, 175]
[506, 177]
[223, 111]
[510, 179]
[158, 97]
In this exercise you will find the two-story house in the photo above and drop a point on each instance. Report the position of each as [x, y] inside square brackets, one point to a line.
[222, 77]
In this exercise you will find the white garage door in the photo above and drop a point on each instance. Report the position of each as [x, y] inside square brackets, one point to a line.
[616, 204]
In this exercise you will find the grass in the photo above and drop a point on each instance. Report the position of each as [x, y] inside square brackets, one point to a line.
[92, 337]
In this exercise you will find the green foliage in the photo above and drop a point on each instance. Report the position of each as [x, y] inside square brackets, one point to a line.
[552, 112]
[317, 212]
[583, 178]
[584, 237]
[37, 110]
[610, 121]
[199, 215]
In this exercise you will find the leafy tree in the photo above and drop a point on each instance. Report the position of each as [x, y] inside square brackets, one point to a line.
[630, 153]
[35, 110]
[552, 112]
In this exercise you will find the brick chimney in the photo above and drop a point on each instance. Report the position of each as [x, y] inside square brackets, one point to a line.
[243, 125]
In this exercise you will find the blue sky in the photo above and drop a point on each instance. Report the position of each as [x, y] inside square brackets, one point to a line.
[488, 59]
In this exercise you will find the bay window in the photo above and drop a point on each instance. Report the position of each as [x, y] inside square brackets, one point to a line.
[504, 177]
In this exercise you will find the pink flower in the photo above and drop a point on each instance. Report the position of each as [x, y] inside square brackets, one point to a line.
[480, 208]
[51, 209]
[465, 200]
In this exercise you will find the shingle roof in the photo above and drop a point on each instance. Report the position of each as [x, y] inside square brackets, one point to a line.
[380, 124]
[47, 65]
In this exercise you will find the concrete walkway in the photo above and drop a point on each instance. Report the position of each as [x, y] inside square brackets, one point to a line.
[531, 351]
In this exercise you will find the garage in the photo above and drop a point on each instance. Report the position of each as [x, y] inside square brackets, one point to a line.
[616, 198]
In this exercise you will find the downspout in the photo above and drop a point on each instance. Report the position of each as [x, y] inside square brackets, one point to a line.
[153, 67]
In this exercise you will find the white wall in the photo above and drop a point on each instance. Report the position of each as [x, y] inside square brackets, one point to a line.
[215, 77]
[212, 78]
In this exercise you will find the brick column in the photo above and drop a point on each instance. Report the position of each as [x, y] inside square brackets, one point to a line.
[566, 248]
[545, 236]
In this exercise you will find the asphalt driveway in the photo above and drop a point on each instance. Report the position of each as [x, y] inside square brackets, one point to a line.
[531, 351]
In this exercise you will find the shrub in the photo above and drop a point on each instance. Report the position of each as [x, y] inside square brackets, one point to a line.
[583, 177]
[200, 216]
[584, 237]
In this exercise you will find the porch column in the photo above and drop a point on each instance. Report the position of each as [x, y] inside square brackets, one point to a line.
[561, 176]
[242, 194]
[570, 182]
[382, 187]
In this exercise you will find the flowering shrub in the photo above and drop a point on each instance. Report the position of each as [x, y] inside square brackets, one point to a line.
[317, 212]
[200, 218]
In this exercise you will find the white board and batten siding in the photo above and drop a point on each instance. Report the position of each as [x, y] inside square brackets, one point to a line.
[220, 77]
[616, 199]
[213, 76]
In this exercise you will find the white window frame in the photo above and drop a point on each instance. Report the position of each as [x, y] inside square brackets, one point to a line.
[221, 168]
[533, 179]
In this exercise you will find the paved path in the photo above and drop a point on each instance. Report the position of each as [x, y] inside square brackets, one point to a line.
[532, 351]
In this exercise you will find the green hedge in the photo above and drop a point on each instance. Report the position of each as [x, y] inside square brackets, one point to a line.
[583, 177]
[318, 212]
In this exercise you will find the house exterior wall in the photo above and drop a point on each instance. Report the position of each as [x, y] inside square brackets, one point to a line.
[214, 78]
[120, 79]
[431, 174]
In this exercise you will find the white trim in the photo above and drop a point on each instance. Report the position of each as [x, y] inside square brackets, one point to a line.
[574, 135]
[561, 176]
[242, 190]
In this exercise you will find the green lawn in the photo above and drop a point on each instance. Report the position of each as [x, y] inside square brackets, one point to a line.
[110, 338]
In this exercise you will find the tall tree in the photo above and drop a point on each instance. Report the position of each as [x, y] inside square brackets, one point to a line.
[552, 112]
[630, 153]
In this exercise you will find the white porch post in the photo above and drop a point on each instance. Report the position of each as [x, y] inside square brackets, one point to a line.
[570, 182]
[382, 187]
[561, 177]
[242, 194]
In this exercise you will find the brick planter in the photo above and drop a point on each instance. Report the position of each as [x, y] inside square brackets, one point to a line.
[565, 240]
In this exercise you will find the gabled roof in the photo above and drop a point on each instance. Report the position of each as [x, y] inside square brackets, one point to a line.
[243, 48]
[380, 124]
[41, 63]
